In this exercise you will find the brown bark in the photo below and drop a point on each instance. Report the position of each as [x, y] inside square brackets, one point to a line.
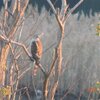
[61, 19]
[5, 49]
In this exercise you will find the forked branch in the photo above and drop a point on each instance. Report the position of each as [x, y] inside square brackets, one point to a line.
[73, 9]
[61, 17]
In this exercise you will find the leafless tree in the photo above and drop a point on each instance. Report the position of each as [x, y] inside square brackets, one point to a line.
[16, 12]
[8, 32]
[61, 17]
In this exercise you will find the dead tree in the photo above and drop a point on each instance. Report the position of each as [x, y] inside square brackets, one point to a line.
[61, 17]
[8, 33]
[8, 37]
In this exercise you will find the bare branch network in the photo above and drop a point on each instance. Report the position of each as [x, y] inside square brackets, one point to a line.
[61, 17]
[56, 65]
[24, 48]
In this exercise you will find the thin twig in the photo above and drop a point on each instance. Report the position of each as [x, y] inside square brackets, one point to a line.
[71, 87]
[20, 34]
[17, 43]
[52, 65]
[52, 6]
[46, 81]
[20, 76]
[63, 7]
[72, 10]
[34, 84]
[18, 90]
[19, 98]
[29, 98]
[25, 49]
[17, 74]
[34, 30]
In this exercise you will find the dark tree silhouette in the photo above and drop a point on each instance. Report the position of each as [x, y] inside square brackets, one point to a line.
[88, 7]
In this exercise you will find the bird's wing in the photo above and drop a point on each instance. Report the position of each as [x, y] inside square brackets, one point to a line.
[39, 48]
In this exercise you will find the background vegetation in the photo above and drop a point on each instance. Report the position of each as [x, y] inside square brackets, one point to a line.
[81, 52]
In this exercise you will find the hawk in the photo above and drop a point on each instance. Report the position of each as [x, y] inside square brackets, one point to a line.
[36, 51]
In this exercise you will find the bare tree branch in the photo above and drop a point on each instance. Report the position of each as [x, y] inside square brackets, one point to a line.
[28, 95]
[5, 17]
[72, 10]
[61, 18]
[24, 48]
[52, 6]
[9, 35]
[46, 81]
[63, 7]
[19, 44]
[13, 6]
[52, 65]
[17, 20]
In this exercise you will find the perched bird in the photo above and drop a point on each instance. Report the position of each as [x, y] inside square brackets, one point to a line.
[36, 51]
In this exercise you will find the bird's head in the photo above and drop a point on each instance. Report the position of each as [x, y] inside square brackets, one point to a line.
[38, 36]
